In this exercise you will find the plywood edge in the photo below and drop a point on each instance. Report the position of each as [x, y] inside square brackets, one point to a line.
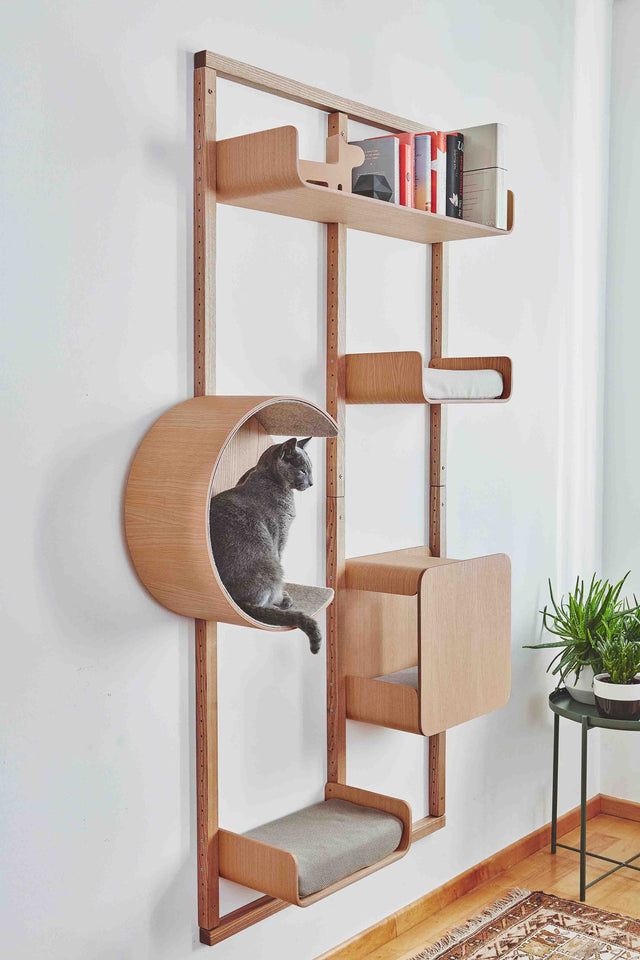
[258, 866]
[303, 93]
[426, 826]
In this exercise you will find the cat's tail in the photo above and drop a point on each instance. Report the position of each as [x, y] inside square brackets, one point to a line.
[288, 618]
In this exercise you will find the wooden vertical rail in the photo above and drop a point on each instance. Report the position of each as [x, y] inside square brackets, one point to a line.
[437, 497]
[335, 519]
[204, 252]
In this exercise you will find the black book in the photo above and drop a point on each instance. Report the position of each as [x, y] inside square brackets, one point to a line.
[455, 153]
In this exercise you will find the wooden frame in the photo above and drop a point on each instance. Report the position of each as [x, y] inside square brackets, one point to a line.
[451, 620]
[275, 871]
[274, 183]
[399, 377]
[261, 171]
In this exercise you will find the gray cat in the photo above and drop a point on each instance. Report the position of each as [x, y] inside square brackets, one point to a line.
[249, 528]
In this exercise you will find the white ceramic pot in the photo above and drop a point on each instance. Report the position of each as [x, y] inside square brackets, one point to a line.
[617, 701]
[582, 687]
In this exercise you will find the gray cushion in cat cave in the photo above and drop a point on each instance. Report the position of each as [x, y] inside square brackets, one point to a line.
[331, 840]
[407, 677]
[308, 599]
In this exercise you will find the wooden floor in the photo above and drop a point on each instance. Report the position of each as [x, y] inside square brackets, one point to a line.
[610, 836]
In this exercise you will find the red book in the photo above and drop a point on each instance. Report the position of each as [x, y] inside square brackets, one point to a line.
[406, 166]
[438, 171]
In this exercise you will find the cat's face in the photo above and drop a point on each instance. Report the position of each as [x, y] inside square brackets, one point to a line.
[294, 465]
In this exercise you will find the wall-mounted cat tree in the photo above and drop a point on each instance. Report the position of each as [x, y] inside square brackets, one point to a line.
[405, 628]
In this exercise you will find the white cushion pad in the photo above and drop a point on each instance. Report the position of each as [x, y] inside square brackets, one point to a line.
[462, 384]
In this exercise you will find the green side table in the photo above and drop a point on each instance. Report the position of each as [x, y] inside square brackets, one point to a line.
[588, 717]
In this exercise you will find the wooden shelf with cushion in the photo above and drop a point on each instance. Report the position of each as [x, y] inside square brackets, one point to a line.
[427, 640]
[307, 855]
[261, 171]
[403, 377]
[199, 448]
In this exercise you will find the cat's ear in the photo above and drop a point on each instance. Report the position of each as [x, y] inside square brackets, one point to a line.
[288, 447]
[303, 443]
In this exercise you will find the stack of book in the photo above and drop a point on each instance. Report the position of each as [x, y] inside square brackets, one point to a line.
[457, 174]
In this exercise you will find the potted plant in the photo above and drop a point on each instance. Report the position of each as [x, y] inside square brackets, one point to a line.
[580, 621]
[617, 689]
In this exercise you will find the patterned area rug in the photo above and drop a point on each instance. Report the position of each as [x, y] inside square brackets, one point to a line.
[537, 926]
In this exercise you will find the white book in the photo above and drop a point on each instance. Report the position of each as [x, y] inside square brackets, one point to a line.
[484, 197]
[484, 193]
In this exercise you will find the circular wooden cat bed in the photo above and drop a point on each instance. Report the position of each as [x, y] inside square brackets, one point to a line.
[195, 450]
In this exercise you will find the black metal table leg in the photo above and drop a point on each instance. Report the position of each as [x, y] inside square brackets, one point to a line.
[583, 811]
[587, 715]
[554, 795]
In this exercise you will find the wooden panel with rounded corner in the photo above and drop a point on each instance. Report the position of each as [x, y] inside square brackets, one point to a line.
[193, 449]
[398, 377]
[465, 641]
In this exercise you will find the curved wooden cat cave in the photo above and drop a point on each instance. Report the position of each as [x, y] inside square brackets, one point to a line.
[196, 449]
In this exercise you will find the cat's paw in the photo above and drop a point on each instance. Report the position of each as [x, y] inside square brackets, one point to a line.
[286, 601]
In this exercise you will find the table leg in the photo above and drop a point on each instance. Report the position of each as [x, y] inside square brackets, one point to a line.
[554, 795]
[583, 810]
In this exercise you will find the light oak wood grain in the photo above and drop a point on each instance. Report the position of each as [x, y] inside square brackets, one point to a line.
[455, 628]
[260, 171]
[399, 377]
[379, 634]
[290, 89]
[336, 171]
[465, 641]
[436, 497]
[437, 773]
[426, 826]
[204, 373]
[385, 704]
[336, 271]
[169, 489]
[394, 571]
[275, 872]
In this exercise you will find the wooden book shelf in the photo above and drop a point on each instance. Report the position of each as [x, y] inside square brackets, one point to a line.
[261, 171]
[399, 377]
[426, 640]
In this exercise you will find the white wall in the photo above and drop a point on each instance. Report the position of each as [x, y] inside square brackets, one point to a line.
[98, 740]
[621, 752]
